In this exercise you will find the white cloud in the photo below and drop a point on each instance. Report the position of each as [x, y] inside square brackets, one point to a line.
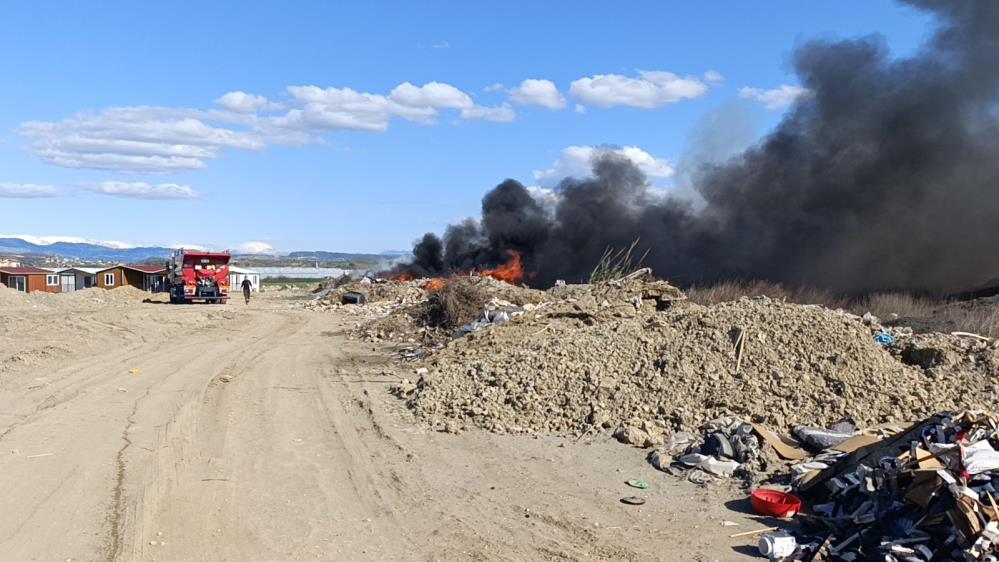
[154, 139]
[432, 94]
[714, 76]
[538, 92]
[441, 45]
[243, 103]
[142, 190]
[255, 247]
[580, 108]
[776, 98]
[165, 139]
[332, 109]
[546, 196]
[576, 162]
[497, 87]
[652, 89]
[26, 191]
[500, 114]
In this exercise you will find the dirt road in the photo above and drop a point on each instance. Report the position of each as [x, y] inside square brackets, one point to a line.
[266, 435]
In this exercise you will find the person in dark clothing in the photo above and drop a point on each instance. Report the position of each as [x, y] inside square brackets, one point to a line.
[246, 289]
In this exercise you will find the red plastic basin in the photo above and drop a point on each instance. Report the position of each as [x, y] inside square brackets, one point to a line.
[774, 503]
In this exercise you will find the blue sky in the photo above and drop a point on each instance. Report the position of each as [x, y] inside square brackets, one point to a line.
[295, 161]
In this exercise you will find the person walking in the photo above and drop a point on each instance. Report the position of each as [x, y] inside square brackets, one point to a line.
[247, 287]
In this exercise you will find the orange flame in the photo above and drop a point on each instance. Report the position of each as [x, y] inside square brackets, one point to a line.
[402, 277]
[434, 284]
[511, 271]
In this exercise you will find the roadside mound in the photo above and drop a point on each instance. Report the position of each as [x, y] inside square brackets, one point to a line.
[610, 355]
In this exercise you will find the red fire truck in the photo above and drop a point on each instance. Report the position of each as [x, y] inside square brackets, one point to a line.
[195, 275]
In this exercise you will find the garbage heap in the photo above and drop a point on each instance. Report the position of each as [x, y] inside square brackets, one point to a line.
[725, 447]
[925, 493]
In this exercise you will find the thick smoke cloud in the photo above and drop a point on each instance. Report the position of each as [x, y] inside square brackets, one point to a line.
[885, 177]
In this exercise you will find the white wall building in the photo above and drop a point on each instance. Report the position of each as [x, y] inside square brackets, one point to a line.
[238, 274]
[76, 278]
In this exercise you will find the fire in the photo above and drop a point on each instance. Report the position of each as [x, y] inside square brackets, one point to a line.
[434, 284]
[402, 277]
[511, 271]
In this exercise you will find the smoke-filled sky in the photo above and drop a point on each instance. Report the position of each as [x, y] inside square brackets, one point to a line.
[884, 175]
[359, 126]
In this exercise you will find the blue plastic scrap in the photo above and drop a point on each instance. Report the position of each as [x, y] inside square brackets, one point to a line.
[884, 338]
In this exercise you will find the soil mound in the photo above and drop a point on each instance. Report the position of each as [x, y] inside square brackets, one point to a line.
[607, 355]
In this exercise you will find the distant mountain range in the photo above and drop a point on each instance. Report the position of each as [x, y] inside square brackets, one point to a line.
[99, 253]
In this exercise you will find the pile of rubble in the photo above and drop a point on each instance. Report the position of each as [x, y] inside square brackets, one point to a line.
[923, 493]
[634, 354]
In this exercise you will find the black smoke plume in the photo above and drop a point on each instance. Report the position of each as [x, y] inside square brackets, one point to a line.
[885, 177]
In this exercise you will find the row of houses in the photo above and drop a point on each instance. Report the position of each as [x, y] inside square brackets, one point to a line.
[152, 278]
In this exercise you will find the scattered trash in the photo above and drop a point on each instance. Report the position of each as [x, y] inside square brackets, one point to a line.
[729, 524]
[633, 500]
[752, 533]
[353, 297]
[884, 338]
[640, 484]
[825, 438]
[775, 503]
[777, 546]
[134, 371]
[728, 445]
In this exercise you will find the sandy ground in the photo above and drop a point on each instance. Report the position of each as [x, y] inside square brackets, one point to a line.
[262, 433]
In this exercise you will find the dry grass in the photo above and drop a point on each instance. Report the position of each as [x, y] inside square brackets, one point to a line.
[615, 264]
[733, 290]
[922, 313]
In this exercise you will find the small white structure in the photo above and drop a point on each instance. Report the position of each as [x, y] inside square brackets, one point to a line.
[76, 278]
[238, 274]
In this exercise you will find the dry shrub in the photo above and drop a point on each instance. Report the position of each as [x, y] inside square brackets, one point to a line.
[457, 303]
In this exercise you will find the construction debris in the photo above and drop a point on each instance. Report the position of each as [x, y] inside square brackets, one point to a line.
[923, 493]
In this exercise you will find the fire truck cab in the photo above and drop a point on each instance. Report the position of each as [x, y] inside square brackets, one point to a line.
[195, 276]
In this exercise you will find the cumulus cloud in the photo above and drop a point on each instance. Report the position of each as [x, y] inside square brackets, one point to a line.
[332, 109]
[650, 90]
[776, 98]
[714, 76]
[135, 139]
[543, 93]
[142, 190]
[242, 102]
[26, 191]
[496, 87]
[499, 114]
[576, 161]
[255, 247]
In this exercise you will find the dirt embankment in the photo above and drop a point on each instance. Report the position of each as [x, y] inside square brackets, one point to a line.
[598, 357]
